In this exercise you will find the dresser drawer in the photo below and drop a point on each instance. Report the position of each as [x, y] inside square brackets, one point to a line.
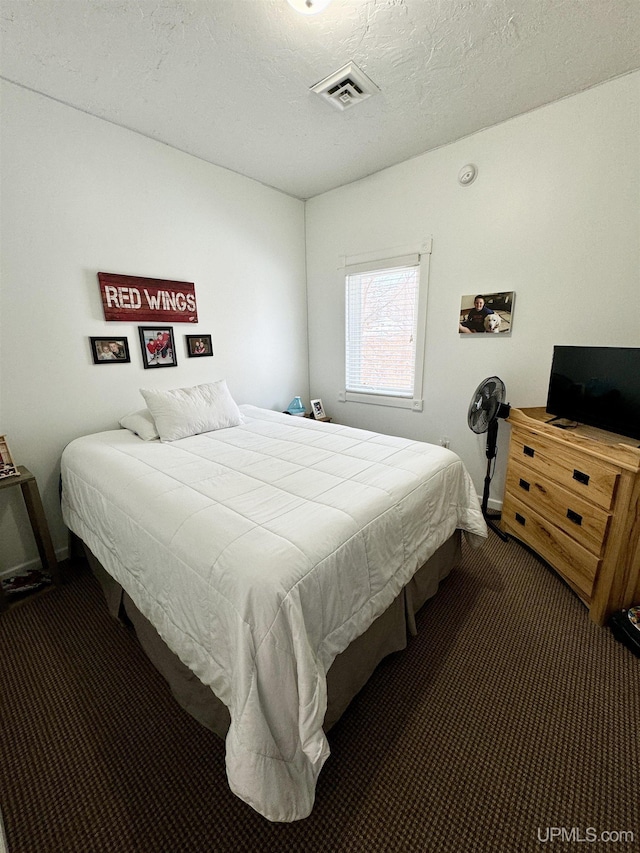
[558, 461]
[575, 516]
[577, 565]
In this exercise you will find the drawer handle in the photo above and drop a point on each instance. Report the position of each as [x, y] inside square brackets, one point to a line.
[524, 485]
[574, 516]
[520, 519]
[581, 477]
[528, 451]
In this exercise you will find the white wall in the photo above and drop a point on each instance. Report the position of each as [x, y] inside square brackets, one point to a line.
[553, 215]
[80, 196]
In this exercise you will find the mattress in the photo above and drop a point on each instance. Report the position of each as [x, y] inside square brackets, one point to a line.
[259, 553]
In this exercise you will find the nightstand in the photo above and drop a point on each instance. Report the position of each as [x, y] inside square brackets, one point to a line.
[31, 494]
[320, 420]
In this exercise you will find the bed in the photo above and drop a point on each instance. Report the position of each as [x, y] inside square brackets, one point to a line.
[268, 564]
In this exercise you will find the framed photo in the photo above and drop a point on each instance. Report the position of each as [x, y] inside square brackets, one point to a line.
[110, 350]
[7, 466]
[199, 345]
[486, 313]
[158, 347]
[317, 410]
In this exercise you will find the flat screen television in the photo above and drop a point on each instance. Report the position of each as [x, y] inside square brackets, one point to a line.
[598, 386]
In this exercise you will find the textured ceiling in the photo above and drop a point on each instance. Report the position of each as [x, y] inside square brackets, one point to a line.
[229, 80]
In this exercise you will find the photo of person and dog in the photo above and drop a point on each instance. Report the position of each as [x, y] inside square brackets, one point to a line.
[491, 314]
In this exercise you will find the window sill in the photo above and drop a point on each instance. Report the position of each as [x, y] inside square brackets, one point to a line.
[416, 405]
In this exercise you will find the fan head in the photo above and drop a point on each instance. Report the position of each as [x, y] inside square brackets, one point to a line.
[485, 404]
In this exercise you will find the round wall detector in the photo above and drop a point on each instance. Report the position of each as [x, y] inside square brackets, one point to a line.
[467, 175]
[309, 7]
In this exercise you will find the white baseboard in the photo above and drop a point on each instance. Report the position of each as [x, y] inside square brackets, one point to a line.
[61, 554]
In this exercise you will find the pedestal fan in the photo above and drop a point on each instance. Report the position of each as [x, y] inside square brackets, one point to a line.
[485, 409]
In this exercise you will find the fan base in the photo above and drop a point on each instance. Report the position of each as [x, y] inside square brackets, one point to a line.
[495, 528]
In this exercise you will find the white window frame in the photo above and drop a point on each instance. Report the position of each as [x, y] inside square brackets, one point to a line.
[380, 261]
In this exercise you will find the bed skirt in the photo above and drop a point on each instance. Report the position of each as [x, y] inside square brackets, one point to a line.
[347, 675]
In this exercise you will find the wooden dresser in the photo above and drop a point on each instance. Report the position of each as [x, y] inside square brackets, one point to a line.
[573, 496]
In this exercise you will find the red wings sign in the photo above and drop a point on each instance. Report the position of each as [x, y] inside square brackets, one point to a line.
[130, 299]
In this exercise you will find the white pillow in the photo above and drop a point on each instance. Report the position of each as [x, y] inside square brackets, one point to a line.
[141, 423]
[190, 411]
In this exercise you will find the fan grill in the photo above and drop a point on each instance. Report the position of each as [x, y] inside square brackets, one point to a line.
[485, 404]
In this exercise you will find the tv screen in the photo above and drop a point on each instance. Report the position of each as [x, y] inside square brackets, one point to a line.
[598, 386]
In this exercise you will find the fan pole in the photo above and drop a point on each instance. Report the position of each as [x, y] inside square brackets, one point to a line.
[492, 442]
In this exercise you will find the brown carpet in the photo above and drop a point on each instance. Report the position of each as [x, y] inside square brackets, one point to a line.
[508, 719]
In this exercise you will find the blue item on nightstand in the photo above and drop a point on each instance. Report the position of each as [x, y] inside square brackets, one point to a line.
[296, 407]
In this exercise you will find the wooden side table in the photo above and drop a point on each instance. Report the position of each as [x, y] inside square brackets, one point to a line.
[320, 420]
[31, 494]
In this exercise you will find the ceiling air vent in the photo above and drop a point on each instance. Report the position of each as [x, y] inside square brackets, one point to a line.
[347, 87]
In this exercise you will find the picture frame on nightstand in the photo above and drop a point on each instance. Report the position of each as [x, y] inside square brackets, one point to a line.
[7, 466]
[317, 410]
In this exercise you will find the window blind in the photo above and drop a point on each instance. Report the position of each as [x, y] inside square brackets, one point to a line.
[381, 326]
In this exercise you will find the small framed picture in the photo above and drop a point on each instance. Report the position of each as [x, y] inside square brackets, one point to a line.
[158, 347]
[7, 466]
[110, 350]
[317, 410]
[199, 345]
[489, 313]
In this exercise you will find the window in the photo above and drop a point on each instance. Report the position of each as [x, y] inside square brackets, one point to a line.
[385, 321]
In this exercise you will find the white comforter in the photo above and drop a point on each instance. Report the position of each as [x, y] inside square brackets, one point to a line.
[259, 553]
